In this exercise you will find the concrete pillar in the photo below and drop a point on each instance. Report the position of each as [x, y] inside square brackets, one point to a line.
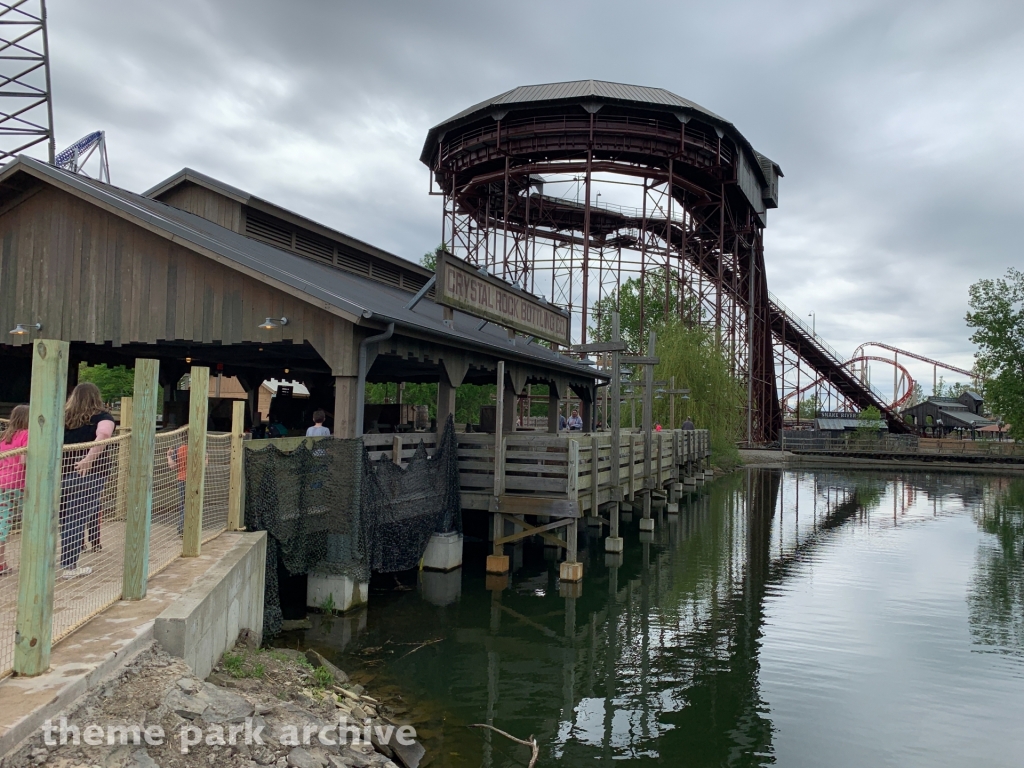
[444, 552]
[341, 592]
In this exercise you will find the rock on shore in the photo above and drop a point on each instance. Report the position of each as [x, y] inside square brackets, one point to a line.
[258, 708]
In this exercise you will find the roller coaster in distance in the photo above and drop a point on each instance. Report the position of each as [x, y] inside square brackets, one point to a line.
[903, 382]
[685, 203]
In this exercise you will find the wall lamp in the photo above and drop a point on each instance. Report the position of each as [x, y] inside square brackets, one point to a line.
[23, 329]
[273, 322]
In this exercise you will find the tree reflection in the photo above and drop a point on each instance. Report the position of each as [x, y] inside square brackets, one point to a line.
[996, 599]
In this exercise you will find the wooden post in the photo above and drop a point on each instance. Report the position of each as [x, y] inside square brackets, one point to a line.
[125, 416]
[595, 451]
[345, 388]
[648, 411]
[572, 570]
[121, 489]
[672, 402]
[236, 477]
[396, 450]
[632, 465]
[498, 562]
[34, 624]
[613, 418]
[499, 424]
[139, 498]
[553, 406]
[195, 474]
[445, 400]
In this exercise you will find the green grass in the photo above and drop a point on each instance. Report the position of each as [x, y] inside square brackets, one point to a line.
[241, 666]
[323, 676]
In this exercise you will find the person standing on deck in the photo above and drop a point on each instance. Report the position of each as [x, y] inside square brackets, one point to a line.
[688, 425]
[83, 474]
[12, 477]
[575, 422]
[318, 429]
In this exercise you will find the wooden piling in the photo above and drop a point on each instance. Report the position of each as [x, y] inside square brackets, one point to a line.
[195, 474]
[236, 476]
[34, 624]
[139, 485]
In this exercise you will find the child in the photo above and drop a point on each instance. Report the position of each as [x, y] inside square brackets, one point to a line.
[12, 477]
[318, 429]
[177, 459]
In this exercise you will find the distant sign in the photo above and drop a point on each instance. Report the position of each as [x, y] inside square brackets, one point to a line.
[463, 287]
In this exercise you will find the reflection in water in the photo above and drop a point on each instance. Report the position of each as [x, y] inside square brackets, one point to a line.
[709, 643]
[996, 599]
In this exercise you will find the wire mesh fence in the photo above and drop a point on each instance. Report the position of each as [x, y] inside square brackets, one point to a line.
[12, 485]
[217, 485]
[92, 518]
[169, 463]
[91, 531]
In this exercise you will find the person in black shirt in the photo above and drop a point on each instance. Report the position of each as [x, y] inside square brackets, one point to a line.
[84, 472]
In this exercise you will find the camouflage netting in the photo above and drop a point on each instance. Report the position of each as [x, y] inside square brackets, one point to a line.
[330, 509]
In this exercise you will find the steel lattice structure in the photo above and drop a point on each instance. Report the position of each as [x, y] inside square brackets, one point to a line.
[26, 109]
[693, 239]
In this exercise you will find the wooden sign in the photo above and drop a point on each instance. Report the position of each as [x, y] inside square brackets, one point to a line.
[463, 287]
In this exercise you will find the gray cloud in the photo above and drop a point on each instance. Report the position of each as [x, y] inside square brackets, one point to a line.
[897, 124]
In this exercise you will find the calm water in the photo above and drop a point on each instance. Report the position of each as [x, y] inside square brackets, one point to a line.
[784, 618]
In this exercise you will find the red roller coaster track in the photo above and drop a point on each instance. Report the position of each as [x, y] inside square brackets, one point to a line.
[859, 359]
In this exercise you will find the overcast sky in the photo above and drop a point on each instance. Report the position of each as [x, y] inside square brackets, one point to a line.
[897, 125]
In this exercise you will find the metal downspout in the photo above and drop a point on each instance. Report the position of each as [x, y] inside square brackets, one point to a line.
[361, 380]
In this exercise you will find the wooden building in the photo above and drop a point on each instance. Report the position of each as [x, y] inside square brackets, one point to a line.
[196, 272]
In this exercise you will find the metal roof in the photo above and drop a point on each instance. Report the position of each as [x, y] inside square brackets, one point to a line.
[965, 417]
[584, 91]
[833, 424]
[353, 296]
[186, 175]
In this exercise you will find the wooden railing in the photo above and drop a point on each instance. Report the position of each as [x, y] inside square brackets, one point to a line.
[538, 463]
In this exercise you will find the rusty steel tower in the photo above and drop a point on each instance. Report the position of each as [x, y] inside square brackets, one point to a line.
[573, 189]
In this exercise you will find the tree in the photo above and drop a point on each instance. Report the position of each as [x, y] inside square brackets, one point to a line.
[868, 426]
[997, 315]
[657, 284]
[429, 259]
[807, 408]
[916, 395]
[114, 383]
[717, 399]
[954, 390]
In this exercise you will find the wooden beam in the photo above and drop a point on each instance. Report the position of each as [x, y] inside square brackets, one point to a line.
[537, 505]
[139, 493]
[615, 345]
[34, 624]
[236, 478]
[529, 530]
[195, 468]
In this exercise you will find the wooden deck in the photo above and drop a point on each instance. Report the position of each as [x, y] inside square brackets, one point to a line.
[538, 469]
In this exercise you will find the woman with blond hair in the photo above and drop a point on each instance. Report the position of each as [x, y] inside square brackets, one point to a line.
[84, 472]
[12, 477]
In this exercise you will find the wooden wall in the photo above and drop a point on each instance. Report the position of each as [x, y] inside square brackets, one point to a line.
[90, 276]
[206, 204]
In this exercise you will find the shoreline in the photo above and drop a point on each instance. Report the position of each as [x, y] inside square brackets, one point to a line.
[259, 707]
[772, 459]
